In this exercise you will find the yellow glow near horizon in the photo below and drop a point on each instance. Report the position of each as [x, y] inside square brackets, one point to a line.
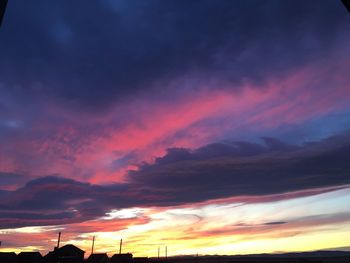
[300, 224]
[148, 245]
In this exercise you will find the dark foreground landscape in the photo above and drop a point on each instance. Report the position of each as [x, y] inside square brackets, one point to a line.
[73, 254]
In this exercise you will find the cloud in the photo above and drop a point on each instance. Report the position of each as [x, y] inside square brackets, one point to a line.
[245, 169]
[114, 50]
[53, 139]
[272, 223]
[276, 223]
[8, 180]
[225, 149]
[278, 229]
[246, 172]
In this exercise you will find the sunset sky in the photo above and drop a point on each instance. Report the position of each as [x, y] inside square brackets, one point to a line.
[210, 127]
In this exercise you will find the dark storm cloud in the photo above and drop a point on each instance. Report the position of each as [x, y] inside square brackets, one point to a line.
[94, 52]
[206, 173]
[43, 200]
[185, 176]
[226, 149]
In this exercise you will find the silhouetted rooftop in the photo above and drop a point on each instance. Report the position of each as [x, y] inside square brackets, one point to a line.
[67, 253]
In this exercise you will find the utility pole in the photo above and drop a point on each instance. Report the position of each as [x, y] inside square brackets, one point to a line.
[120, 246]
[158, 252]
[93, 244]
[166, 252]
[59, 239]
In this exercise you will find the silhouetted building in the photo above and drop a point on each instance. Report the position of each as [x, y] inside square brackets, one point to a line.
[30, 257]
[8, 257]
[121, 258]
[65, 254]
[98, 258]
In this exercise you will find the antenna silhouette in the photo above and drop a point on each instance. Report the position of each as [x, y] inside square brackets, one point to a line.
[93, 244]
[120, 246]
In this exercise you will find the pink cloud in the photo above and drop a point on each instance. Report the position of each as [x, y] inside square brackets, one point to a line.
[86, 145]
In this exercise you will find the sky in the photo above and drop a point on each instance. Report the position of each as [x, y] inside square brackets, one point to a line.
[209, 127]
